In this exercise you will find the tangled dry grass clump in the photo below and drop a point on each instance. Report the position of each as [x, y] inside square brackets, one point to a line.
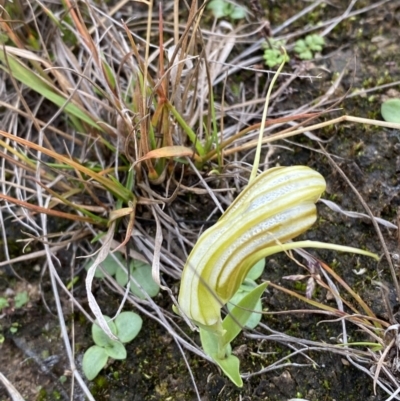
[119, 122]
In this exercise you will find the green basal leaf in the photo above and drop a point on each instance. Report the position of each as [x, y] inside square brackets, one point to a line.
[109, 264]
[231, 367]
[257, 270]
[255, 317]
[99, 337]
[116, 350]
[37, 83]
[228, 363]
[121, 277]
[390, 110]
[237, 318]
[128, 326]
[141, 272]
[94, 359]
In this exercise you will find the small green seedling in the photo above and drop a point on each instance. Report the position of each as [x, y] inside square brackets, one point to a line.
[14, 327]
[126, 327]
[127, 324]
[3, 303]
[21, 299]
[226, 9]
[140, 273]
[305, 48]
[390, 110]
[273, 54]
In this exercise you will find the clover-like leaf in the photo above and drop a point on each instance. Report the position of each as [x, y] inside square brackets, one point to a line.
[274, 57]
[300, 46]
[128, 326]
[222, 8]
[94, 359]
[315, 42]
[306, 55]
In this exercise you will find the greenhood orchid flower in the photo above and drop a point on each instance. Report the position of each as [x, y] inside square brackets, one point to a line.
[275, 207]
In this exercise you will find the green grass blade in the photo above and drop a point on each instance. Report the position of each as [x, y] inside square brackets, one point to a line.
[29, 78]
[189, 132]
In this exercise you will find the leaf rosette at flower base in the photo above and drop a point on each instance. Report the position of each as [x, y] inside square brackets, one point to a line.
[274, 208]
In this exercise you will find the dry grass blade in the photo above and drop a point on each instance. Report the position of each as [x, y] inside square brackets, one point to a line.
[14, 394]
[112, 186]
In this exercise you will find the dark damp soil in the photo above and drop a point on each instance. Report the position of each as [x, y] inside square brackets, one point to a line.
[32, 355]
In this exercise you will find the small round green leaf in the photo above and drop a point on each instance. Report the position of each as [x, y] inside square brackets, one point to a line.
[141, 272]
[94, 359]
[257, 270]
[128, 326]
[99, 337]
[390, 110]
[109, 264]
[121, 277]
[219, 8]
[115, 350]
[238, 12]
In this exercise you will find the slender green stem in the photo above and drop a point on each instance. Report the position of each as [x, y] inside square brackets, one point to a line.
[264, 118]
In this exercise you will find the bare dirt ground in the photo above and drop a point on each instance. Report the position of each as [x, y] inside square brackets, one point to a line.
[32, 356]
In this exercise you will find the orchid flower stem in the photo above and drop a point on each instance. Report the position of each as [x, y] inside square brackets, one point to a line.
[263, 121]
